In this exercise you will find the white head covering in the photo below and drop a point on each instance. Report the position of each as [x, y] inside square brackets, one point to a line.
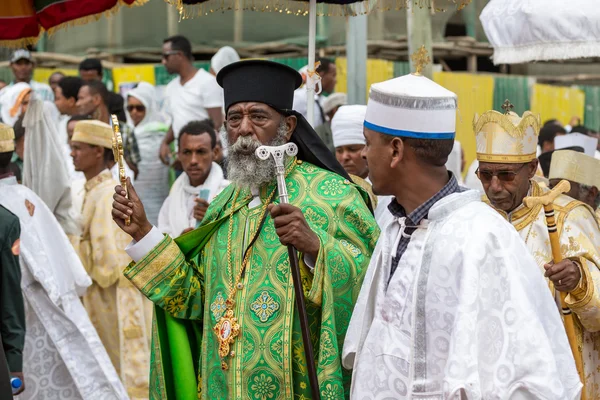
[146, 94]
[588, 143]
[411, 106]
[347, 125]
[334, 100]
[44, 166]
[8, 98]
[225, 56]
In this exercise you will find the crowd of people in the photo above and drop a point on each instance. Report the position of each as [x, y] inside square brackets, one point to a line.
[418, 283]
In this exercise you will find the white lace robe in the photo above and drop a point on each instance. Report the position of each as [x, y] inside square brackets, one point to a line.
[466, 315]
[63, 357]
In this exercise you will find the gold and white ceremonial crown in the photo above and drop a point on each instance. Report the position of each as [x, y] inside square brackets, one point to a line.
[576, 167]
[506, 138]
[7, 138]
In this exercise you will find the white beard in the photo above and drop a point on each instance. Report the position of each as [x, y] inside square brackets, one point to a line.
[243, 167]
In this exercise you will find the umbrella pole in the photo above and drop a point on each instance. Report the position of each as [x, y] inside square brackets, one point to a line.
[312, 38]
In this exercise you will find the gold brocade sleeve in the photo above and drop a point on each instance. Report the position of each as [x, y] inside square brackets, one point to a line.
[580, 241]
[168, 280]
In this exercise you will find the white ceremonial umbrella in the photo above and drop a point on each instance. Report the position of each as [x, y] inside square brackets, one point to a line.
[538, 30]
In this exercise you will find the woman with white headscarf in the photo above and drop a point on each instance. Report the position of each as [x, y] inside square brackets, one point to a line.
[13, 102]
[152, 183]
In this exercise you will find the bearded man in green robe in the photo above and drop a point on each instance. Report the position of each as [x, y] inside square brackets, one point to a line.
[226, 325]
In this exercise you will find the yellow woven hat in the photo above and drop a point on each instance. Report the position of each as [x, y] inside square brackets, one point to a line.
[93, 132]
[506, 138]
[7, 138]
[576, 167]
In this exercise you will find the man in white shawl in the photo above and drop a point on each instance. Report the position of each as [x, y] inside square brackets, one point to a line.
[152, 183]
[201, 181]
[44, 165]
[63, 357]
[453, 306]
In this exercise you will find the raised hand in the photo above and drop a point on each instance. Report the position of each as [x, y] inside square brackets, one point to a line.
[132, 208]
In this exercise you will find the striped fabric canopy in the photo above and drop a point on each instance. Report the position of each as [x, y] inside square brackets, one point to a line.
[22, 21]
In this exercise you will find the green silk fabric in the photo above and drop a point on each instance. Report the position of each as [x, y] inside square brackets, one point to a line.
[190, 291]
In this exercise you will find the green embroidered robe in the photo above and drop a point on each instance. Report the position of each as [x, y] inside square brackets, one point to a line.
[189, 279]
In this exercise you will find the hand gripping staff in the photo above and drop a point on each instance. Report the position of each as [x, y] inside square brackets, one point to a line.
[278, 153]
[546, 201]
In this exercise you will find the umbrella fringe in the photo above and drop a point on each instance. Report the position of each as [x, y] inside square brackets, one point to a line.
[293, 7]
[19, 43]
[94, 17]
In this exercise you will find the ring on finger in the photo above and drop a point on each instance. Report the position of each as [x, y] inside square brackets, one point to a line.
[560, 281]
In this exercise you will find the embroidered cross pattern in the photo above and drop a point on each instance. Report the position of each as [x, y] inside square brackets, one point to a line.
[264, 306]
[218, 306]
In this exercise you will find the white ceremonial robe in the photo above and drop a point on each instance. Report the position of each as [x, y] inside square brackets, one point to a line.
[63, 357]
[466, 315]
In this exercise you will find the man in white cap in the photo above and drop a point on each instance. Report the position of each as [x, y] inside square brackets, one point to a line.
[22, 65]
[582, 172]
[330, 106]
[452, 305]
[506, 150]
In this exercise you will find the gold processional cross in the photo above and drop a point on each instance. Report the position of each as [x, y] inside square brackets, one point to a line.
[117, 144]
[420, 59]
[507, 106]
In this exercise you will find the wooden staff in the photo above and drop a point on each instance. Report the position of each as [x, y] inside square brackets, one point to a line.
[117, 144]
[278, 153]
[546, 201]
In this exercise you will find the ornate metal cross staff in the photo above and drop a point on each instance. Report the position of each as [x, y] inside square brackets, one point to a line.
[278, 153]
[117, 144]
[546, 201]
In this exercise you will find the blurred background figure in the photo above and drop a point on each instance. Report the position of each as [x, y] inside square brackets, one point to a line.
[149, 127]
[54, 79]
[328, 73]
[14, 100]
[330, 106]
[22, 66]
[90, 69]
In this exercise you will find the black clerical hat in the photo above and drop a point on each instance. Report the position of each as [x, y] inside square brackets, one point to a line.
[259, 81]
[273, 84]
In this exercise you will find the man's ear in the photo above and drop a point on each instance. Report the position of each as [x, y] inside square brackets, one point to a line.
[291, 122]
[398, 148]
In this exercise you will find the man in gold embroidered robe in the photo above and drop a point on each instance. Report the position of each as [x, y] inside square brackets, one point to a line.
[507, 165]
[200, 274]
[120, 314]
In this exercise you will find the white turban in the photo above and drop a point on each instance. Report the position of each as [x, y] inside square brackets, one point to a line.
[347, 126]
[225, 56]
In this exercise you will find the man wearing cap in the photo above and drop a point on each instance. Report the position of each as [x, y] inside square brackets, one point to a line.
[120, 314]
[349, 142]
[52, 280]
[506, 150]
[235, 265]
[330, 106]
[582, 172]
[21, 64]
[452, 305]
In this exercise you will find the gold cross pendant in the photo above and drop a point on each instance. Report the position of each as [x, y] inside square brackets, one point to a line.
[227, 329]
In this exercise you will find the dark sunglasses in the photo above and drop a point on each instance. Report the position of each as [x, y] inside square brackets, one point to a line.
[169, 53]
[503, 176]
[139, 108]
